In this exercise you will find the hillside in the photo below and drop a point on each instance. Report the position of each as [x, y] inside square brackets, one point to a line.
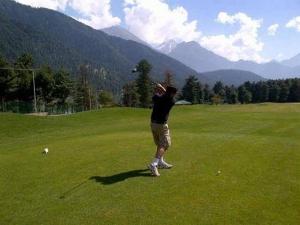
[60, 41]
[232, 77]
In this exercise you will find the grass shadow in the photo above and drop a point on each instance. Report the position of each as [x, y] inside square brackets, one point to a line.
[121, 176]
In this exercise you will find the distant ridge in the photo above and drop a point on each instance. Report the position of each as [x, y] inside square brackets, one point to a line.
[202, 60]
[121, 32]
[232, 77]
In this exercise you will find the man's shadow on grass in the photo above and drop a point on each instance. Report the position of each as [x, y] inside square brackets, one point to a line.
[121, 176]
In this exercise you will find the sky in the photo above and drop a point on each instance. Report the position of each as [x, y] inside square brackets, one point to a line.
[257, 30]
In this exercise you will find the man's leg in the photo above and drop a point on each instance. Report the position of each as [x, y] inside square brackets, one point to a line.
[160, 152]
[166, 140]
[153, 166]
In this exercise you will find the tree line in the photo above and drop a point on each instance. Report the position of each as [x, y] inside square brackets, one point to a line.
[54, 90]
[59, 91]
[281, 91]
[139, 92]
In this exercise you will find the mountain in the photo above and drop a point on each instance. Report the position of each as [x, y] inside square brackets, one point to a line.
[60, 41]
[270, 70]
[121, 32]
[167, 47]
[232, 77]
[200, 59]
[292, 62]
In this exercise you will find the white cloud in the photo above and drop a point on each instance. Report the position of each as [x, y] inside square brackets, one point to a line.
[242, 45]
[273, 29]
[294, 23]
[50, 4]
[155, 22]
[95, 13]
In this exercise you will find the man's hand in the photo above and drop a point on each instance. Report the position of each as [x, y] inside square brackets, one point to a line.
[159, 88]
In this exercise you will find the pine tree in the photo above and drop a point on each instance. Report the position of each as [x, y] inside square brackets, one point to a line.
[7, 81]
[200, 95]
[105, 98]
[83, 96]
[264, 92]
[63, 86]
[44, 82]
[169, 79]
[294, 95]
[190, 91]
[24, 78]
[130, 95]
[244, 95]
[231, 95]
[206, 93]
[274, 93]
[284, 93]
[144, 87]
[219, 89]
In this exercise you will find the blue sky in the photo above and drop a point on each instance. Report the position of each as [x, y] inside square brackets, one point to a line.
[284, 44]
[236, 29]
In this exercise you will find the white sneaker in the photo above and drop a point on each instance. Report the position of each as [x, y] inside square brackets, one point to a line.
[164, 165]
[154, 170]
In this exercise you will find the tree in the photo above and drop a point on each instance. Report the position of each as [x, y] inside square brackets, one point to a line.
[190, 90]
[144, 87]
[294, 95]
[274, 93]
[231, 95]
[216, 99]
[284, 93]
[244, 95]
[24, 78]
[83, 96]
[264, 93]
[199, 91]
[206, 93]
[105, 98]
[63, 86]
[7, 81]
[130, 95]
[219, 89]
[169, 79]
[44, 84]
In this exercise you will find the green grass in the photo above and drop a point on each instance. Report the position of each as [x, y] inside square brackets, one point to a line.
[94, 172]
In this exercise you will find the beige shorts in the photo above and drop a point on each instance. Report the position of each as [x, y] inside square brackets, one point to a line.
[161, 135]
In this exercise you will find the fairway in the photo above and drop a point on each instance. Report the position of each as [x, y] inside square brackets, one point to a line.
[95, 172]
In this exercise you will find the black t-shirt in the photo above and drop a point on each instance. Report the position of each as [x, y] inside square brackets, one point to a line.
[161, 108]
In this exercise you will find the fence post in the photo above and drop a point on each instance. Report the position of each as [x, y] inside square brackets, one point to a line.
[34, 94]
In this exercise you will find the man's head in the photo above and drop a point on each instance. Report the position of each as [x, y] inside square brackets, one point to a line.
[171, 91]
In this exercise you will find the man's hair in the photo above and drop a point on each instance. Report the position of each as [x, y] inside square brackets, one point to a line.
[171, 90]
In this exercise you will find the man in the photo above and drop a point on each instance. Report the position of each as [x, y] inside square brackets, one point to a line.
[163, 102]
